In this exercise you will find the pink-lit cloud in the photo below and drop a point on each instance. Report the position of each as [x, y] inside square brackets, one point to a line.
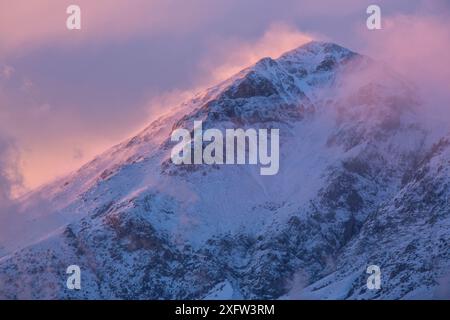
[25, 24]
[47, 156]
[67, 95]
[10, 175]
[417, 47]
[229, 56]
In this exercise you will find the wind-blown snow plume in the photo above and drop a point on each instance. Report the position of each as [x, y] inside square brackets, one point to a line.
[10, 180]
[417, 47]
[236, 54]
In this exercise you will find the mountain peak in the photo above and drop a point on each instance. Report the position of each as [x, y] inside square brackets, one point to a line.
[319, 47]
[274, 90]
[311, 53]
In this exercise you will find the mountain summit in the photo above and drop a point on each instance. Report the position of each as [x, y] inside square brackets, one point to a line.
[360, 183]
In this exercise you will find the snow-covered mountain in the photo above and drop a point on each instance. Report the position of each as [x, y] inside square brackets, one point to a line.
[361, 182]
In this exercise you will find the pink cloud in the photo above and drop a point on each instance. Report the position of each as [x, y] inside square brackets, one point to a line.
[229, 56]
[417, 47]
[26, 24]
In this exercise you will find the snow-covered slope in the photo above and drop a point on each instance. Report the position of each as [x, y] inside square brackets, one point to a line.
[360, 183]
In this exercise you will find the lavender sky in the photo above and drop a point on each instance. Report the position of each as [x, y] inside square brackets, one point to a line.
[67, 95]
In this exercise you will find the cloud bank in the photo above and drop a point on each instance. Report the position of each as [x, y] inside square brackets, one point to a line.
[417, 47]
